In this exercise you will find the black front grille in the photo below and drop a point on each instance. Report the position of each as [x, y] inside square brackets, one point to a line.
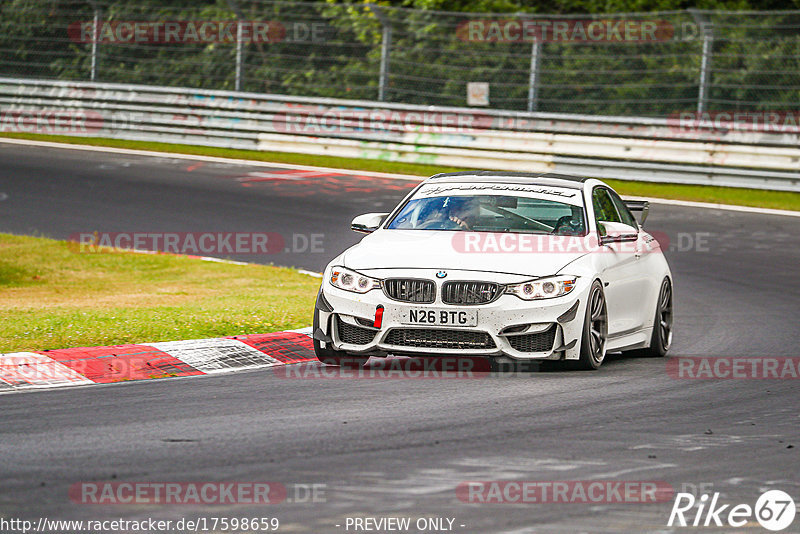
[538, 342]
[439, 339]
[410, 290]
[352, 334]
[467, 293]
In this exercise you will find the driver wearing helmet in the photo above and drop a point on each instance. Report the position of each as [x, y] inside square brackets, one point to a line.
[463, 211]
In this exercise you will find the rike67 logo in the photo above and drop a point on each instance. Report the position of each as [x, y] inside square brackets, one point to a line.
[774, 510]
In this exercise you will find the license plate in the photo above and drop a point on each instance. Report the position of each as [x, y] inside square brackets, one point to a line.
[439, 317]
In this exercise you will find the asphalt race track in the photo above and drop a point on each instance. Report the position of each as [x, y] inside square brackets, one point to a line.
[400, 447]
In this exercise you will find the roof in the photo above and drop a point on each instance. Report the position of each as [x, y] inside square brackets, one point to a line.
[538, 178]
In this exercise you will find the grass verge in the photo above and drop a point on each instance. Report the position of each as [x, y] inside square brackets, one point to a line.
[53, 297]
[698, 193]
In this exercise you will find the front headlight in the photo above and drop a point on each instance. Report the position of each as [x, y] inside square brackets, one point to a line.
[543, 288]
[348, 280]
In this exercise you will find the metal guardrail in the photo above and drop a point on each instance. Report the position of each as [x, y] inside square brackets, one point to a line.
[628, 148]
[653, 64]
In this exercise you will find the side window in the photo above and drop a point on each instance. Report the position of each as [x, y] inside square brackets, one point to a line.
[603, 206]
[624, 212]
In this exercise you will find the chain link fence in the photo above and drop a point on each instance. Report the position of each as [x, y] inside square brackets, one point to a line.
[643, 64]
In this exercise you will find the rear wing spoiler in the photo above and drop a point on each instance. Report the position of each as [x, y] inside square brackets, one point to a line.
[639, 205]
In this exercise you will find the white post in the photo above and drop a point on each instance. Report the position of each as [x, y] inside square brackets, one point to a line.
[239, 45]
[705, 74]
[239, 32]
[386, 48]
[95, 33]
[533, 80]
[705, 64]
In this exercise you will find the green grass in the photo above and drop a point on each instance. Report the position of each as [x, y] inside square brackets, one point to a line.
[53, 297]
[700, 193]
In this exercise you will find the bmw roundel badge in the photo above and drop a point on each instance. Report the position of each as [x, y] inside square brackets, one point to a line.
[441, 274]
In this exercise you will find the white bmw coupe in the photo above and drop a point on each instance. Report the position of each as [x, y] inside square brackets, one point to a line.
[511, 266]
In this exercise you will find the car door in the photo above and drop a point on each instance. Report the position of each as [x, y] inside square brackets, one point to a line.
[644, 285]
[620, 270]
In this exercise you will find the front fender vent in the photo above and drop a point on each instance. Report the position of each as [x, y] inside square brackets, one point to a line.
[354, 335]
[538, 342]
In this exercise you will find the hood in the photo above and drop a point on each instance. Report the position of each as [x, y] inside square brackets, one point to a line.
[523, 254]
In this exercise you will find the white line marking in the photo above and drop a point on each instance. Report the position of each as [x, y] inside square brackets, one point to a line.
[213, 259]
[280, 175]
[204, 258]
[220, 260]
[212, 159]
[256, 163]
[711, 205]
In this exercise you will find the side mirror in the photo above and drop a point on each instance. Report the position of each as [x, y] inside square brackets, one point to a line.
[642, 206]
[614, 232]
[367, 223]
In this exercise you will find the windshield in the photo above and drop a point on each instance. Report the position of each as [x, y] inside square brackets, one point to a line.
[490, 213]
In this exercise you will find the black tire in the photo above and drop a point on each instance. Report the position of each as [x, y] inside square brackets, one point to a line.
[595, 331]
[661, 339]
[331, 356]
